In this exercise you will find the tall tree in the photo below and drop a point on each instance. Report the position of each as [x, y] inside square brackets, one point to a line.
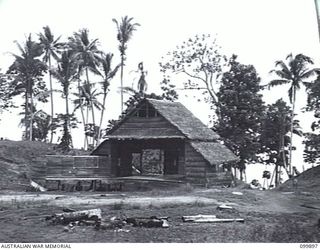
[27, 70]
[87, 55]
[88, 98]
[197, 64]
[312, 139]
[107, 73]
[125, 30]
[275, 139]
[66, 73]
[51, 47]
[240, 113]
[5, 90]
[294, 72]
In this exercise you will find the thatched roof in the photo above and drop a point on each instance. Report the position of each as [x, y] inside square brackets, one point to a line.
[179, 116]
[178, 123]
[214, 152]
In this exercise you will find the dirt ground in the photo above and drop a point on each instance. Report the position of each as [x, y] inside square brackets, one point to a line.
[270, 216]
[282, 215]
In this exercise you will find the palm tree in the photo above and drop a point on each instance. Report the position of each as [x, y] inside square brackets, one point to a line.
[295, 72]
[88, 97]
[66, 73]
[87, 55]
[85, 52]
[107, 73]
[29, 70]
[51, 47]
[125, 29]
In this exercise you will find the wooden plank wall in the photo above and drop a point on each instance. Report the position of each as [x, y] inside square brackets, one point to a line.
[182, 161]
[195, 166]
[198, 170]
[219, 179]
[38, 169]
[149, 125]
[78, 166]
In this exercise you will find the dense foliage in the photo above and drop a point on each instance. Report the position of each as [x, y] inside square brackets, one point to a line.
[312, 140]
[275, 139]
[241, 111]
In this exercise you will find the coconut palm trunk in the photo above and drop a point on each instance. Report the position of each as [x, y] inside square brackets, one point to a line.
[125, 30]
[67, 110]
[102, 114]
[93, 121]
[51, 98]
[31, 115]
[318, 16]
[91, 105]
[82, 114]
[26, 113]
[67, 121]
[291, 130]
[121, 81]
[87, 121]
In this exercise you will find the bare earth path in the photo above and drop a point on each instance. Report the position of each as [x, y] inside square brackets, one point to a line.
[270, 216]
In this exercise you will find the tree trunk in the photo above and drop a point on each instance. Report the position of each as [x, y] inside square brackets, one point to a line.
[91, 105]
[94, 125]
[281, 153]
[82, 113]
[276, 181]
[121, 82]
[318, 17]
[291, 130]
[31, 116]
[87, 121]
[242, 167]
[67, 104]
[68, 118]
[101, 117]
[26, 115]
[51, 99]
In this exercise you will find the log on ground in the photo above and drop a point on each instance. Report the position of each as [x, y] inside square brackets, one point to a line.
[208, 219]
[85, 215]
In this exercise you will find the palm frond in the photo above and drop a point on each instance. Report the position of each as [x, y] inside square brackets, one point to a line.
[277, 82]
[307, 73]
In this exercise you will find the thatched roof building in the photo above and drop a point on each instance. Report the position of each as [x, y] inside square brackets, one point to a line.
[165, 138]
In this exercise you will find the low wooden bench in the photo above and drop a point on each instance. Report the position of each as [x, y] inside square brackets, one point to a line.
[112, 183]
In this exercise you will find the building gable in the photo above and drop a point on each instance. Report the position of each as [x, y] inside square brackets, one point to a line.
[144, 122]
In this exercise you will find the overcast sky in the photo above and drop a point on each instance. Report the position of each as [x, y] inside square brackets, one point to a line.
[259, 31]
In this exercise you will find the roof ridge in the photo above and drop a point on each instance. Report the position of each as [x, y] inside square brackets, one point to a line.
[189, 114]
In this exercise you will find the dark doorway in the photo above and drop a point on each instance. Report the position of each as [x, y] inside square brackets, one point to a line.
[125, 163]
[171, 159]
[148, 157]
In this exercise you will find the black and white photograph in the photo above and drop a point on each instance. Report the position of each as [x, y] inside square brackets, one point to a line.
[136, 121]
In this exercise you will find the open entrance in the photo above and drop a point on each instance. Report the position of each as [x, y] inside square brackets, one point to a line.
[150, 158]
[148, 162]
